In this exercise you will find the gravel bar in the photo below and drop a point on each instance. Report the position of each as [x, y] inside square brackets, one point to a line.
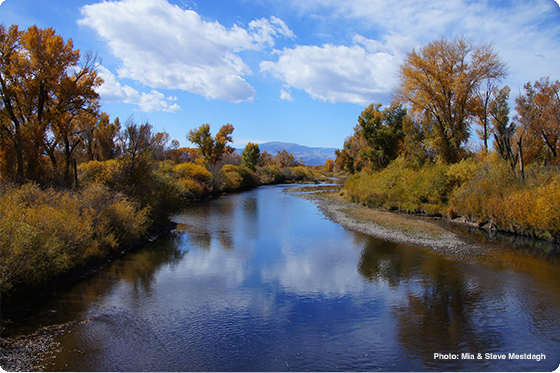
[450, 244]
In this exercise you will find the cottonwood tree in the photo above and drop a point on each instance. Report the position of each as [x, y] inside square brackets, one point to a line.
[439, 85]
[547, 101]
[106, 137]
[212, 149]
[484, 98]
[538, 122]
[44, 90]
[502, 129]
[265, 159]
[383, 132]
[140, 147]
[349, 158]
[344, 160]
[251, 155]
[286, 159]
[185, 155]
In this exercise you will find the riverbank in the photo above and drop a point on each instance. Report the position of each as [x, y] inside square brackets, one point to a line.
[25, 300]
[395, 227]
[52, 235]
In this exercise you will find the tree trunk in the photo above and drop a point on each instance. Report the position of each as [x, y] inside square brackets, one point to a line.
[521, 160]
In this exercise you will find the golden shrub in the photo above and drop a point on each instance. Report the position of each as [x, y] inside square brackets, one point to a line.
[45, 232]
[191, 171]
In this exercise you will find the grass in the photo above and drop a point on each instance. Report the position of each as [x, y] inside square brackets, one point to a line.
[317, 188]
[407, 225]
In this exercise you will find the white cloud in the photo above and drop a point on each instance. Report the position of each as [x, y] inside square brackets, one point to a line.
[112, 91]
[164, 46]
[264, 31]
[303, 272]
[525, 34]
[335, 73]
[285, 94]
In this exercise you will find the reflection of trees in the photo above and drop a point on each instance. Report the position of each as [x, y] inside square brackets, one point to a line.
[526, 246]
[251, 217]
[137, 268]
[441, 316]
[226, 240]
[439, 313]
[215, 222]
[387, 260]
[199, 239]
[141, 267]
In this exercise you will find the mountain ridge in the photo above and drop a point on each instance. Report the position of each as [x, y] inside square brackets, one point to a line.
[312, 156]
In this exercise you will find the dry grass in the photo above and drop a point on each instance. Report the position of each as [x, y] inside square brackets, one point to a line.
[408, 225]
[317, 188]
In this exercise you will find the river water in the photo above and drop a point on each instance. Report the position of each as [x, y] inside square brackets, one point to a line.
[262, 281]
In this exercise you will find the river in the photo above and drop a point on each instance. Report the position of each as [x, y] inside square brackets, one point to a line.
[262, 281]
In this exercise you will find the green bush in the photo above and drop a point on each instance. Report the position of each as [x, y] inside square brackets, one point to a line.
[106, 172]
[488, 183]
[191, 171]
[403, 187]
[194, 180]
[301, 174]
[495, 194]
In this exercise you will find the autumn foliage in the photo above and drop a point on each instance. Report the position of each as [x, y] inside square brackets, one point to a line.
[75, 185]
[446, 90]
[48, 100]
[44, 233]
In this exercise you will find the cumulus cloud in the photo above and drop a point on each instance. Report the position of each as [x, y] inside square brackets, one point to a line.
[112, 91]
[166, 47]
[335, 73]
[525, 34]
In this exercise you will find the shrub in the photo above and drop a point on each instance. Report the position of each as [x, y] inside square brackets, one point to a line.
[106, 172]
[486, 185]
[116, 219]
[195, 180]
[301, 174]
[237, 178]
[402, 186]
[269, 175]
[46, 233]
[191, 171]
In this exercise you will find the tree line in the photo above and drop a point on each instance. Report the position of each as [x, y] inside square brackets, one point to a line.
[76, 186]
[446, 90]
[51, 119]
[417, 155]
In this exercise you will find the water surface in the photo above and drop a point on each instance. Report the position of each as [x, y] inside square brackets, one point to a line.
[262, 281]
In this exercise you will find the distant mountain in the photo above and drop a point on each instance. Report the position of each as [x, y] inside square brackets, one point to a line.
[311, 156]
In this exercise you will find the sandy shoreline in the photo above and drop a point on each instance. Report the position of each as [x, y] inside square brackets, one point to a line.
[447, 243]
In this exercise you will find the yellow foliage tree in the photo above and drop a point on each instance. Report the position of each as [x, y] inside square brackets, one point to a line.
[439, 83]
[44, 91]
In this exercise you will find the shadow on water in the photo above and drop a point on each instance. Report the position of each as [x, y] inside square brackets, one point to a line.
[469, 308]
[502, 240]
[31, 341]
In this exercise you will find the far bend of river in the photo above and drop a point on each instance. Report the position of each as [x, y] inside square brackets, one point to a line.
[262, 281]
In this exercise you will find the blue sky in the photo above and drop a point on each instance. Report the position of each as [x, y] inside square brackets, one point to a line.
[279, 70]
